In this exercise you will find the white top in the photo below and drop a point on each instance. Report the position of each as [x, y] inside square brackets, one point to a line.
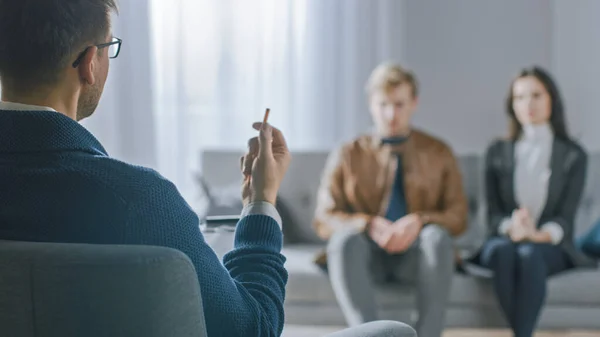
[533, 152]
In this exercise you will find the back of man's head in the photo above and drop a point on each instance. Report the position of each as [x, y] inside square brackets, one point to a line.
[39, 39]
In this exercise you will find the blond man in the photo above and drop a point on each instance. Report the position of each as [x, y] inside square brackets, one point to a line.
[389, 204]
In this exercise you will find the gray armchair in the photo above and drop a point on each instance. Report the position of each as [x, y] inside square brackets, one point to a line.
[69, 290]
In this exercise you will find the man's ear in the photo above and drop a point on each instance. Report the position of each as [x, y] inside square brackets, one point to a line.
[87, 65]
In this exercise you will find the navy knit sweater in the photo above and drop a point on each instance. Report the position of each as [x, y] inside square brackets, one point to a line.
[57, 184]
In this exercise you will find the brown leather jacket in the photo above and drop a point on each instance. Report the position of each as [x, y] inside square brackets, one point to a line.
[358, 178]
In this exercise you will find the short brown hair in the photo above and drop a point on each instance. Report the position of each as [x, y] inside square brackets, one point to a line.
[388, 76]
[39, 37]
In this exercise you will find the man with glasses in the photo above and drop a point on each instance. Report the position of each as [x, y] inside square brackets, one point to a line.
[57, 183]
[114, 48]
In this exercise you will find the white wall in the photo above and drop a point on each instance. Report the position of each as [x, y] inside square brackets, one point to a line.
[465, 53]
[123, 122]
[576, 63]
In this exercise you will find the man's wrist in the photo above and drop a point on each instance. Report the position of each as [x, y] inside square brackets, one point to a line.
[256, 198]
[423, 219]
[262, 208]
[257, 201]
[368, 225]
[371, 225]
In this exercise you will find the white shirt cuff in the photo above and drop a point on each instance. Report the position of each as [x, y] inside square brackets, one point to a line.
[555, 230]
[262, 208]
[504, 226]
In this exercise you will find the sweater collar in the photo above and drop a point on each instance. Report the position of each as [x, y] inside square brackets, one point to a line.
[537, 133]
[26, 129]
[23, 107]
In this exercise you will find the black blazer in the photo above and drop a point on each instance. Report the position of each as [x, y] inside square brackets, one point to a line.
[568, 167]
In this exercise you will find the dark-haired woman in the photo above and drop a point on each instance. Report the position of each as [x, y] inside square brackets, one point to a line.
[534, 181]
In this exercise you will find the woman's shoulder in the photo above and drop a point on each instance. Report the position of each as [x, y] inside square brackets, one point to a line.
[499, 144]
[574, 147]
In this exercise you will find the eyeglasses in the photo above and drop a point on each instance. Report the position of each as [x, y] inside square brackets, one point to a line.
[114, 47]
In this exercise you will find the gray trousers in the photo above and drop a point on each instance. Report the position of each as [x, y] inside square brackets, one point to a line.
[377, 329]
[356, 263]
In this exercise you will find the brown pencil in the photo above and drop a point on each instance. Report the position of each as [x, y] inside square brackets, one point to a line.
[266, 118]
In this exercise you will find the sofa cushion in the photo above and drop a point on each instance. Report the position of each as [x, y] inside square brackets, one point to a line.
[309, 284]
[589, 208]
[576, 287]
[299, 191]
[472, 175]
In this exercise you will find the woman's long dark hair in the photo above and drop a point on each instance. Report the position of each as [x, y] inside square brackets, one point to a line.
[557, 114]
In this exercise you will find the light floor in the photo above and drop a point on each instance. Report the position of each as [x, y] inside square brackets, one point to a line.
[503, 333]
[306, 331]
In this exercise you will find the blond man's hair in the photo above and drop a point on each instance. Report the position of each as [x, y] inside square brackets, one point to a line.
[388, 76]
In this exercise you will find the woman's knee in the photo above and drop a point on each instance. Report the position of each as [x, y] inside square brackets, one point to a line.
[529, 256]
[498, 250]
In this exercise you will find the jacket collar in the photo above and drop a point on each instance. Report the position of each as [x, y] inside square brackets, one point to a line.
[378, 142]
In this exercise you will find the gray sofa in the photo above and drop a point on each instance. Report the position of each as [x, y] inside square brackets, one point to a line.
[573, 297]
